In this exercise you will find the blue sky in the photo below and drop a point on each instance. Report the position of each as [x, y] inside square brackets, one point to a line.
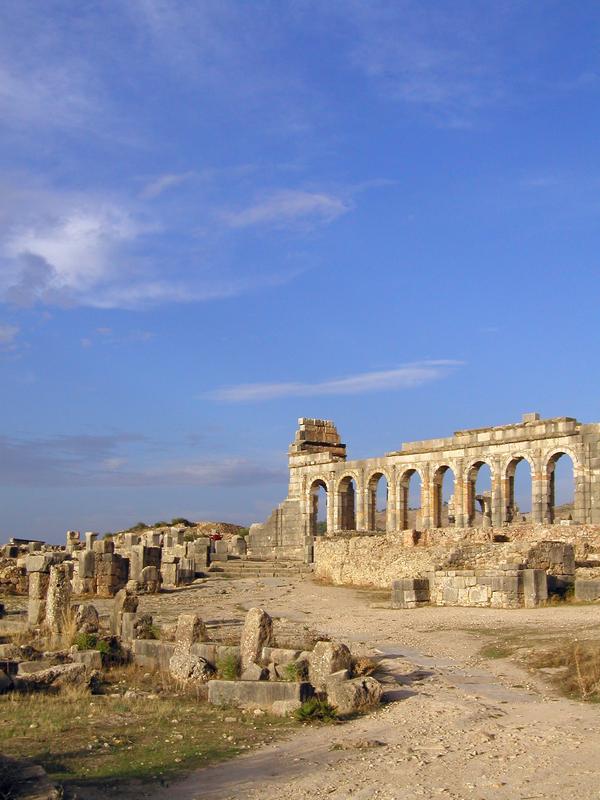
[216, 217]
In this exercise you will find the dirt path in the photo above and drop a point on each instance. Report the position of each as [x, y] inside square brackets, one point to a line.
[455, 726]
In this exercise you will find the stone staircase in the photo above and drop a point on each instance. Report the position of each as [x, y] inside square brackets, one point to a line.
[236, 568]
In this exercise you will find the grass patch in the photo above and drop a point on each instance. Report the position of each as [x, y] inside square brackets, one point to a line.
[577, 665]
[316, 710]
[82, 738]
[497, 650]
[228, 667]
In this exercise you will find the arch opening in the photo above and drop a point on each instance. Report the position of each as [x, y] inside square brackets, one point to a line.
[346, 502]
[377, 502]
[518, 491]
[409, 500]
[479, 495]
[444, 483]
[561, 488]
[319, 500]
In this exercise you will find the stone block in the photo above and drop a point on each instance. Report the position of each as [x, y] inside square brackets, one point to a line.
[152, 653]
[325, 659]
[104, 546]
[256, 634]
[29, 667]
[358, 694]
[92, 659]
[587, 590]
[535, 587]
[257, 694]
[190, 630]
[40, 562]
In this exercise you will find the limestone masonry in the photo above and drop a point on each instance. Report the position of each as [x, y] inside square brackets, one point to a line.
[317, 460]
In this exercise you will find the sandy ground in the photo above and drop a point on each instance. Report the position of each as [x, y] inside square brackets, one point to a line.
[455, 725]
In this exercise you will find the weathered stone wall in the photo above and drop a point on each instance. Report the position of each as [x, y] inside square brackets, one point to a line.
[377, 560]
[317, 460]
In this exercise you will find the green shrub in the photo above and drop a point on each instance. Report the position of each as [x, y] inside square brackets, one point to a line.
[85, 641]
[316, 710]
[90, 641]
[293, 672]
[228, 667]
[182, 521]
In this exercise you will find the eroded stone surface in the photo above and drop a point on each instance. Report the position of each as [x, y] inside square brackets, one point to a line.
[256, 634]
[326, 659]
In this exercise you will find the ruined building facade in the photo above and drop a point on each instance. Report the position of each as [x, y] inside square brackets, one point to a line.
[317, 460]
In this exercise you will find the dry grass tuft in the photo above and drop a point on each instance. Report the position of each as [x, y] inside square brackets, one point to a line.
[577, 665]
[363, 665]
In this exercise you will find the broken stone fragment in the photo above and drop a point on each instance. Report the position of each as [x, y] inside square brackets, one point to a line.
[254, 672]
[190, 630]
[188, 668]
[59, 677]
[125, 601]
[357, 694]
[325, 659]
[256, 634]
[87, 619]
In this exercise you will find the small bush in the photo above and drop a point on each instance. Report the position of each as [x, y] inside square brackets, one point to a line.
[316, 710]
[85, 641]
[363, 665]
[292, 672]
[90, 641]
[228, 667]
[182, 521]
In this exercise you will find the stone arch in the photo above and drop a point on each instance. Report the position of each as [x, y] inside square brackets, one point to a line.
[549, 462]
[372, 484]
[509, 469]
[403, 489]
[471, 473]
[313, 504]
[437, 482]
[347, 488]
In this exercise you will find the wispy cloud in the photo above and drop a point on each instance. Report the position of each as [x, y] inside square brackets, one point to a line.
[107, 460]
[407, 376]
[289, 206]
[8, 337]
[61, 248]
[162, 183]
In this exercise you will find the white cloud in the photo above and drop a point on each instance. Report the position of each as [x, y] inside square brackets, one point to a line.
[8, 336]
[289, 206]
[407, 376]
[163, 182]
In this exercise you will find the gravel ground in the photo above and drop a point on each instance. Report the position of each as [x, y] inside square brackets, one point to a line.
[455, 725]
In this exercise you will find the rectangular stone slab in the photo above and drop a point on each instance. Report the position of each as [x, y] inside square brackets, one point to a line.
[256, 694]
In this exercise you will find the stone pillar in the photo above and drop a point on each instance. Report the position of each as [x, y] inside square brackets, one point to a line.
[361, 521]
[58, 598]
[538, 495]
[73, 539]
[38, 588]
[390, 511]
[459, 496]
[426, 520]
[90, 538]
[331, 507]
[497, 514]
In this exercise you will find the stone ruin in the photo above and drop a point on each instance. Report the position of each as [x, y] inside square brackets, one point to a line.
[430, 545]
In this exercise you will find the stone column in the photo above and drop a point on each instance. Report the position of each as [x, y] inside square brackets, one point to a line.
[390, 511]
[497, 496]
[459, 496]
[426, 492]
[331, 507]
[58, 599]
[360, 500]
